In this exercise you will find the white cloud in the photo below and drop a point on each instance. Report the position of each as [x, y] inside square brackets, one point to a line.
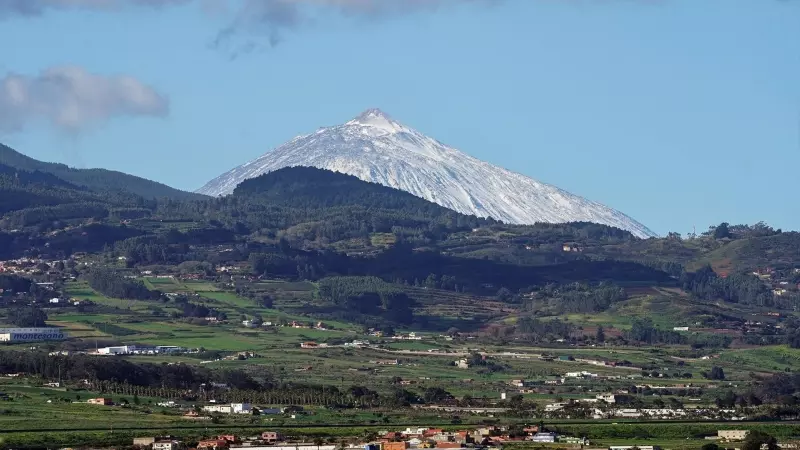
[71, 99]
[39, 7]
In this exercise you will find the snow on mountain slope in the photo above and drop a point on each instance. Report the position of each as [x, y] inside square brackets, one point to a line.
[374, 147]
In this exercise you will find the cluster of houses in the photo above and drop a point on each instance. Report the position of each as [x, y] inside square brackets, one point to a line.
[60, 301]
[781, 282]
[569, 358]
[604, 406]
[226, 441]
[26, 266]
[272, 440]
[230, 408]
[571, 247]
[407, 337]
[248, 323]
[525, 386]
[410, 438]
[604, 398]
[206, 411]
[240, 271]
[491, 436]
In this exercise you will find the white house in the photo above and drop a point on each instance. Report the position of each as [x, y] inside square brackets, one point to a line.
[166, 444]
[582, 374]
[554, 407]
[411, 431]
[224, 409]
[241, 408]
[732, 435]
[608, 398]
[232, 408]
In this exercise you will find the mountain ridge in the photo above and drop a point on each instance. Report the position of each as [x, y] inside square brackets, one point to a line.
[102, 179]
[376, 148]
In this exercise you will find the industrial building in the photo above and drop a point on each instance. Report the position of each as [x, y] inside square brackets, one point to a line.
[31, 334]
[121, 350]
[135, 350]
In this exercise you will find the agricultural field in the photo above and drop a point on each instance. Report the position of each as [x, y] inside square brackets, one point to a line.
[383, 364]
[427, 362]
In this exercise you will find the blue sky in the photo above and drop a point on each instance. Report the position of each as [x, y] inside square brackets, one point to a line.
[676, 112]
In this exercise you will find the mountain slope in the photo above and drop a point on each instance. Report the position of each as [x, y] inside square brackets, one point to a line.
[313, 188]
[375, 148]
[309, 205]
[95, 179]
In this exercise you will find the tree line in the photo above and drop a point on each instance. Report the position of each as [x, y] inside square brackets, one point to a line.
[572, 297]
[112, 284]
[735, 288]
[368, 295]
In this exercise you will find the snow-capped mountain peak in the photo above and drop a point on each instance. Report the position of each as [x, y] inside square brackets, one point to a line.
[375, 119]
[376, 148]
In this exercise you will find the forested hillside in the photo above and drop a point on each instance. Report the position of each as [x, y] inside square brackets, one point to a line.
[100, 180]
[313, 207]
[367, 245]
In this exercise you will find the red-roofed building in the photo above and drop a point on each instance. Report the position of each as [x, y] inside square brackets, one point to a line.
[393, 436]
[271, 436]
[213, 444]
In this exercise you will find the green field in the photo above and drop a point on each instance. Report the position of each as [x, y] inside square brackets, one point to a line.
[421, 364]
